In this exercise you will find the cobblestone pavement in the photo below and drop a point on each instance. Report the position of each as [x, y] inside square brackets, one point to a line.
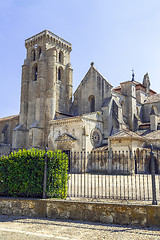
[22, 228]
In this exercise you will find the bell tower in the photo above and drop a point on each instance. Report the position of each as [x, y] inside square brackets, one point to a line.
[46, 88]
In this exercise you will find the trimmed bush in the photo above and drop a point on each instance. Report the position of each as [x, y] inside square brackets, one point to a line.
[22, 174]
[57, 174]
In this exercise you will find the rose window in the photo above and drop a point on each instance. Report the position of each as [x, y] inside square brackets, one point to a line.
[96, 137]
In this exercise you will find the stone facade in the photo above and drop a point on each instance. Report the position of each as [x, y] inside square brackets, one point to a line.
[49, 117]
[46, 88]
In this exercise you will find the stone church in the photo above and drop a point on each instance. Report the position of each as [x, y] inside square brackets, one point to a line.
[96, 116]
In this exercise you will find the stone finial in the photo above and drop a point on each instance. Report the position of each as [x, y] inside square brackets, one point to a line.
[92, 64]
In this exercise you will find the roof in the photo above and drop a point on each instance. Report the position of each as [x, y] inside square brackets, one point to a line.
[153, 99]
[154, 135]
[138, 86]
[125, 133]
[103, 148]
[117, 89]
[9, 118]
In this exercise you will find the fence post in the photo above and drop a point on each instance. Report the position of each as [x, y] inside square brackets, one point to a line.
[154, 201]
[45, 174]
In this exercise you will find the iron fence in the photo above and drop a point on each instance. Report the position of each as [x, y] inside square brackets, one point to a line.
[119, 175]
[115, 175]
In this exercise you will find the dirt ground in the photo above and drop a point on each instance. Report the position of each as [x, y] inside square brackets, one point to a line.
[23, 228]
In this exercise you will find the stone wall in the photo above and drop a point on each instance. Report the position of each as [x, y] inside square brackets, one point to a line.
[143, 215]
[5, 149]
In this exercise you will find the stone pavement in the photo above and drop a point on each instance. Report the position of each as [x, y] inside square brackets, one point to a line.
[23, 228]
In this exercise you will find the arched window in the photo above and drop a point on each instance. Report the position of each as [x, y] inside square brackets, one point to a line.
[35, 73]
[61, 57]
[92, 103]
[4, 135]
[60, 74]
[33, 55]
[39, 52]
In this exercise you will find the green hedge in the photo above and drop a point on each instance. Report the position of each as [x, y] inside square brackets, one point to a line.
[22, 174]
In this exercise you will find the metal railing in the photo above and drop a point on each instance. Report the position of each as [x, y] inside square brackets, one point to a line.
[115, 175]
[119, 175]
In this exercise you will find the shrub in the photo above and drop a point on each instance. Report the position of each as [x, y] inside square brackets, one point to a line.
[22, 173]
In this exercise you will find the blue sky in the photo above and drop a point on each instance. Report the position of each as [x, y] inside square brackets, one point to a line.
[116, 35]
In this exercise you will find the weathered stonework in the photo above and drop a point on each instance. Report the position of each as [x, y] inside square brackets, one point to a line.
[141, 215]
[93, 118]
[6, 133]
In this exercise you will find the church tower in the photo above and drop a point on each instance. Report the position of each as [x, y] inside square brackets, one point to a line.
[46, 88]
